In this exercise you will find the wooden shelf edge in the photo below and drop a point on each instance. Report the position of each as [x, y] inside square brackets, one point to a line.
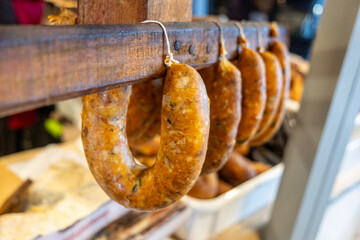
[40, 65]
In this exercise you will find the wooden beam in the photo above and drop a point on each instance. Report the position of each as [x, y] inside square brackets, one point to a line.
[132, 11]
[40, 65]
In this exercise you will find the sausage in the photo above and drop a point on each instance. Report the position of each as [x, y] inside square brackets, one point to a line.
[242, 149]
[237, 170]
[206, 187]
[151, 132]
[252, 70]
[223, 187]
[281, 52]
[225, 111]
[296, 83]
[260, 167]
[184, 135]
[149, 148]
[208, 75]
[274, 78]
[143, 117]
[148, 161]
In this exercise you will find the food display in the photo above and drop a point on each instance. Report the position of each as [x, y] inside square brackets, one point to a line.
[151, 143]
[163, 124]
[143, 170]
[202, 117]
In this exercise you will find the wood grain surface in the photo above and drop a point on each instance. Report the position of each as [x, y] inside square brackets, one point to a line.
[40, 65]
[132, 11]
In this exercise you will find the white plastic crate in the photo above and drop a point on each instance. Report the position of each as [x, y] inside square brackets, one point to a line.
[210, 217]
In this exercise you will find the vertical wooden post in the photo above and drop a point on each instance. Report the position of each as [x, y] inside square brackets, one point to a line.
[132, 11]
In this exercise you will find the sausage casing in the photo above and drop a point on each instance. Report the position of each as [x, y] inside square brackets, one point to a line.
[223, 187]
[183, 144]
[205, 187]
[252, 71]
[144, 108]
[281, 52]
[237, 170]
[274, 81]
[225, 112]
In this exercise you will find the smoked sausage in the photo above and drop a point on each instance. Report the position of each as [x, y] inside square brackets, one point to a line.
[237, 170]
[206, 187]
[252, 70]
[143, 117]
[225, 111]
[274, 78]
[184, 134]
[223, 187]
[281, 52]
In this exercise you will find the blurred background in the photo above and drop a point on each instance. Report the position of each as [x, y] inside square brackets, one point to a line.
[301, 17]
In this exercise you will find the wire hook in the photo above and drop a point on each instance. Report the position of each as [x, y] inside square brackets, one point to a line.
[170, 57]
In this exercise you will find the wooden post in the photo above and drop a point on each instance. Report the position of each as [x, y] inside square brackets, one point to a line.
[132, 11]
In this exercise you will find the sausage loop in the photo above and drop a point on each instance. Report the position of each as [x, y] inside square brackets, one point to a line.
[183, 144]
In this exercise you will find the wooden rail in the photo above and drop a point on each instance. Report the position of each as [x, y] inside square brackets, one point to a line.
[40, 65]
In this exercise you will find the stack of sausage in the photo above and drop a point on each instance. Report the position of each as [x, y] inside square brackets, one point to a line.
[265, 79]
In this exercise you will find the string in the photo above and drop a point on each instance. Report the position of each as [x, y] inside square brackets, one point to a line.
[259, 37]
[242, 37]
[223, 51]
[169, 58]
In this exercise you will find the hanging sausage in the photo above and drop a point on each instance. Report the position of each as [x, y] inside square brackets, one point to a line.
[225, 111]
[184, 135]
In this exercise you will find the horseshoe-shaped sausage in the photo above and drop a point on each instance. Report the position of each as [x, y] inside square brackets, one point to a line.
[183, 145]
[225, 111]
[281, 52]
